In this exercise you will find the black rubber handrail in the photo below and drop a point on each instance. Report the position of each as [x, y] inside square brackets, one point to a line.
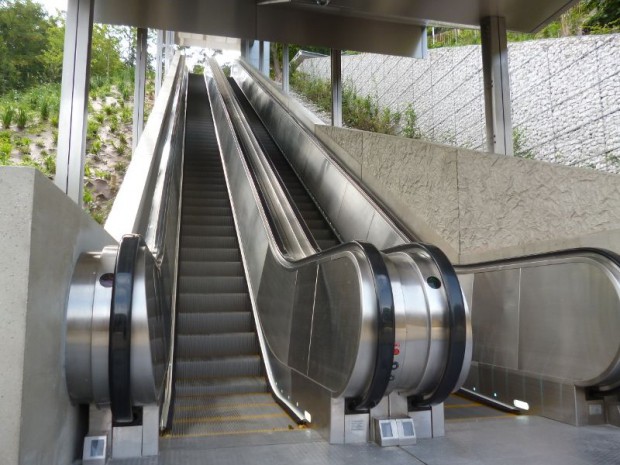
[386, 333]
[457, 322]
[238, 92]
[119, 355]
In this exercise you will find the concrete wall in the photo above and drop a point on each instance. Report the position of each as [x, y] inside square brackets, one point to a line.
[480, 206]
[43, 232]
[565, 95]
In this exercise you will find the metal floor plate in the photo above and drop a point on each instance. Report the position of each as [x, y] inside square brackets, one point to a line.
[510, 440]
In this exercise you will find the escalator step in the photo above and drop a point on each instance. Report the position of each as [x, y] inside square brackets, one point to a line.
[213, 242]
[205, 202]
[219, 383]
[189, 390]
[208, 230]
[214, 323]
[187, 220]
[193, 303]
[211, 269]
[243, 365]
[206, 346]
[228, 254]
[230, 399]
[214, 412]
[207, 211]
[212, 284]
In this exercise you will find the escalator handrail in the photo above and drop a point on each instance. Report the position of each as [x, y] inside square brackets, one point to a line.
[457, 316]
[119, 350]
[602, 385]
[384, 302]
[287, 194]
[386, 332]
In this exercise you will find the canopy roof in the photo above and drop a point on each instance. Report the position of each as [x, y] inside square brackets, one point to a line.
[382, 26]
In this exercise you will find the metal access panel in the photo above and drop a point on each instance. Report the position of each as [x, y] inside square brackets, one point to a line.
[95, 450]
[386, 432]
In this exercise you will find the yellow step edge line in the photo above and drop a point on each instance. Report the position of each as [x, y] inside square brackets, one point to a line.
[227, 394]
[496, 417]
[231, 419]
[222, 433]
[231, 405]
[463, 405]
[211, 378]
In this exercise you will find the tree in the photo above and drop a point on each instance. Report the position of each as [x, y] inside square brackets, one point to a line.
[606, 13]
[23, 27]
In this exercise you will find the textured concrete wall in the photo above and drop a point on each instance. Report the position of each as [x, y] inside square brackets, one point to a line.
[565, 95]
[482, 206]
[43, 232]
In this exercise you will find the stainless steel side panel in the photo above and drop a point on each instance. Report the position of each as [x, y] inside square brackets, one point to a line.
[338, 304]
[555, 318]
[350, 209]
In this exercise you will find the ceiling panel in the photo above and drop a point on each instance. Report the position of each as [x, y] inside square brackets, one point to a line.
[382, 26]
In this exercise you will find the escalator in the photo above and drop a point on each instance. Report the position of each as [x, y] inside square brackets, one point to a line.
[220, 385]
[236, 307]
[534, 316]
[320, 229]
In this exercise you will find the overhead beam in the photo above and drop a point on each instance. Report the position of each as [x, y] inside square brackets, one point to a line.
[274, 23]
[498, 110]
[73, 115]
[139, 84]
[336, 87]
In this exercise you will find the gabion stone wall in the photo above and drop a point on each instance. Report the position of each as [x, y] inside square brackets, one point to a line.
[565, 95]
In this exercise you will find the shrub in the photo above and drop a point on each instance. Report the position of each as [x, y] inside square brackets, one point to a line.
[23, 144]
[101, 174]
[49, 165]
[92, 129]
[120, 167]
[5, 152]
[7, 116]
[54, 120]
[21, 119]
[95, 146]
[44, 110]
[88, 197]
[410, 127]
[125, 90]
[114, 125]
[126, 115]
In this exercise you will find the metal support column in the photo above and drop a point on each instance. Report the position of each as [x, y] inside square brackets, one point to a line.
[261, 56]
[169, 48]
[496, 85]
[285, 68]
[336, 88]
[140, 85]
[74, 99]
[159, 62]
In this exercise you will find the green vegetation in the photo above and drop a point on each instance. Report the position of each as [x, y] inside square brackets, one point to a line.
[31, 55]
[410, 126]
[586, 17]
[358, 112]
[519, 143]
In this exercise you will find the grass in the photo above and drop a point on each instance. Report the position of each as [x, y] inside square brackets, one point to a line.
[357, 112]
[7, 116]
[29, 137]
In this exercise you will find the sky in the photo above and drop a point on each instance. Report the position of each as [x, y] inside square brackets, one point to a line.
[52, 5]
[192, 55]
